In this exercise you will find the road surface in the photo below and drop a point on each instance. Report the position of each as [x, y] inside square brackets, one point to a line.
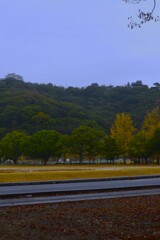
[75, 197]
[78, 186]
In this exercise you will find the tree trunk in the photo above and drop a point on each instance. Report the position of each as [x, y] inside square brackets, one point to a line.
[146, 160]
[45, 160]
[81, 158]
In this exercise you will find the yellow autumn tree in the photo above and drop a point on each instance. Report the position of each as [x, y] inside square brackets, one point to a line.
[151, 123]
[123, 131]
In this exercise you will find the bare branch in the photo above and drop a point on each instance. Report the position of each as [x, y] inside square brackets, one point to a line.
[142, 16]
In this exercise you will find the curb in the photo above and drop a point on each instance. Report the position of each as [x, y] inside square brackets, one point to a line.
[79, 180]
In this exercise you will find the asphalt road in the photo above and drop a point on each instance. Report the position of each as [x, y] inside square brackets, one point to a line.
[78, 186]
[75, 197]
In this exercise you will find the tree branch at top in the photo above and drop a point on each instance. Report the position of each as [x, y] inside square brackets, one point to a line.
[143, 16]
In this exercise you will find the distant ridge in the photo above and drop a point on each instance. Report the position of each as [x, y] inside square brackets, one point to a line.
[32, 106]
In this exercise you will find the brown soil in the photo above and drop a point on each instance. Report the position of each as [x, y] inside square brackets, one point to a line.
[135, 218]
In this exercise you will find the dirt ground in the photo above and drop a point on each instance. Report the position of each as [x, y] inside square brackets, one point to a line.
[135, 218]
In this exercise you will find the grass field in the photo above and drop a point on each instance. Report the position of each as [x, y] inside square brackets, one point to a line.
[43, 173]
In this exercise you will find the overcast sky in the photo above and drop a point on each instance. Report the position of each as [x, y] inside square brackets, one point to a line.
[77, 42]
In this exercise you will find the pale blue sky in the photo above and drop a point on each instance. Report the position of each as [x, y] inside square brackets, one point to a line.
[77, 42]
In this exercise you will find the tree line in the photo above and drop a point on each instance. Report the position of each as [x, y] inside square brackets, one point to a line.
[124, 141]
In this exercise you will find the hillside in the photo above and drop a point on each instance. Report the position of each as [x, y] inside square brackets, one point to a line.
[31, 107]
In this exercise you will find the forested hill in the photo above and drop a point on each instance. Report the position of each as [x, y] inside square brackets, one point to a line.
[31, 107]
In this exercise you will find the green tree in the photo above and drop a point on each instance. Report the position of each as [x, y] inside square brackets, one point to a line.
[3, 132]
[122, 132]
[13, 145]
[42, 119]
[45, 144]
[85, 142]
[65, 144]
[110, 149]
[154, 146]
